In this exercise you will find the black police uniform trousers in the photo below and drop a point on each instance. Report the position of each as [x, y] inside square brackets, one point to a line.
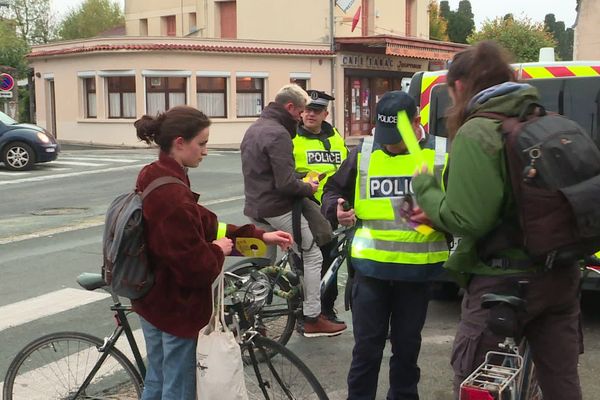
[378, 307]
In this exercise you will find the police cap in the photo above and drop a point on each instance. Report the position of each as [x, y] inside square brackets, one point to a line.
[319, 100]
[387, 110]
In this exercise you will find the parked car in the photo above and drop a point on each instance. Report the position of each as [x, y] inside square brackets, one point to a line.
[23, 145]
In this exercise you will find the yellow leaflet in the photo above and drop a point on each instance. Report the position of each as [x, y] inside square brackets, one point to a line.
[410, 140]
[251, 247]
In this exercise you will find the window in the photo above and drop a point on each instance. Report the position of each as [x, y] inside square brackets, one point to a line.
[144, 27]
[440, 103]
[211, 93]
[303, 83]
[89, 85]
[121, 96]
[228, 19]
[169, 25]
[581, 103]
[192, 22]
[250, 96]
[164, 93]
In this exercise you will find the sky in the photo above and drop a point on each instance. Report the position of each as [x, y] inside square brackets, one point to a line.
[564, 10]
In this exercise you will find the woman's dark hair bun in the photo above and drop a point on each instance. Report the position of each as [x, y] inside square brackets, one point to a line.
[148, 127]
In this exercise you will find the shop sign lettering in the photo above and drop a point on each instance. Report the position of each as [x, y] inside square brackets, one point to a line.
[361, 61]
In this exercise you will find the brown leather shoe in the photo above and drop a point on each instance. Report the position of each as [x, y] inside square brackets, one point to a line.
[321, 326]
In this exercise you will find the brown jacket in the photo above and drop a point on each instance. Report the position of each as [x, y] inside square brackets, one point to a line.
[270, 182]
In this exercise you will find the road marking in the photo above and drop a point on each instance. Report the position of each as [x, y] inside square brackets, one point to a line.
[14, 173]
[78, 163]
[90, 223]
[50, 168]
[107, 159]
[71, 174]
[25, 311]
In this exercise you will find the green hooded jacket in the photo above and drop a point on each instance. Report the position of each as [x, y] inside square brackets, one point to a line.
[479, 194]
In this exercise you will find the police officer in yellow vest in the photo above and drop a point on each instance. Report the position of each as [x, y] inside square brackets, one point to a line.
[319, 148]
[393, 260]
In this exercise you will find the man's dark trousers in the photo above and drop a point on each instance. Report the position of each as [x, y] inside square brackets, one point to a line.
[379, 305]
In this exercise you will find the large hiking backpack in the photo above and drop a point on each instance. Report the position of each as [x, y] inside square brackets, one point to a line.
[125, 267]
[554, 167]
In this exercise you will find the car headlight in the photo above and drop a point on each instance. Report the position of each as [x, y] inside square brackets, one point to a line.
[43, 138]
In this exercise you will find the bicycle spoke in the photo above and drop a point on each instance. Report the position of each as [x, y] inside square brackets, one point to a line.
[56, 369]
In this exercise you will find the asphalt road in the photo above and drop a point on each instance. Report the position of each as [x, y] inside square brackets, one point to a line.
[51, 229]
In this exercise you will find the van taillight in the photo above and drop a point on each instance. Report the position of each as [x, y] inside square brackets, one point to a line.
[473, 393]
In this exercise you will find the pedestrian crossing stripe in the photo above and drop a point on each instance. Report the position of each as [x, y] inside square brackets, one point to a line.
[29, 310]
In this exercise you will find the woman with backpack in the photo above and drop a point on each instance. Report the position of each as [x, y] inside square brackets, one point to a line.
[184, 251]
[478, 200]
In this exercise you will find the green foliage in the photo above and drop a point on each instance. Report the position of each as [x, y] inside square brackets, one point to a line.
[13, 48]
[445, 10]
[91, 18]
[24, 115]
[438, 26]
[460, 22]
[521, 37]
[563, 37]
[33, 19]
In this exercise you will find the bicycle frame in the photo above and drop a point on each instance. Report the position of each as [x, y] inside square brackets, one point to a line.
[122, 322]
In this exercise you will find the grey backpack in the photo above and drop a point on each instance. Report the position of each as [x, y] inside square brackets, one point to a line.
[125, 267]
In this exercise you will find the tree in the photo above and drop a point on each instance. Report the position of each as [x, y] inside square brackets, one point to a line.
[12, 48]
[460, 22]
[445, 10]
[34, 20]
[438, 27]
[91, 18]
[562, 36]
[521, 37]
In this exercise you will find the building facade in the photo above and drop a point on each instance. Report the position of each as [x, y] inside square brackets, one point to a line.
[229, 58]
[587, 42]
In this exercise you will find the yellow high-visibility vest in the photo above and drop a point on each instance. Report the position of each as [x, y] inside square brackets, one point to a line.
[382, 182]
[311, 155]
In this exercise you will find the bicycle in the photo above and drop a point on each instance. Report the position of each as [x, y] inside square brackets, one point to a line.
[508, 374]
[274, 293]
[75, 365]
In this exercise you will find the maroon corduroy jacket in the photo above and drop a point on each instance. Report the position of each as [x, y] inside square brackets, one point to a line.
[179, 233]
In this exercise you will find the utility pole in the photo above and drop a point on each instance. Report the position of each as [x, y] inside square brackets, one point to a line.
[333, 60]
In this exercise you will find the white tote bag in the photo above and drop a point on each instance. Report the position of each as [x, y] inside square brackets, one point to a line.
[219, 368]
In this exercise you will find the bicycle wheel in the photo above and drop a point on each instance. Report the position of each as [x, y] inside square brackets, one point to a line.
[55, 366]
[277, 316]
[281, 376]
[530, 388]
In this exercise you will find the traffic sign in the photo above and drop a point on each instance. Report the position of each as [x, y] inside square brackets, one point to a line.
[7, 82]
[6, 95]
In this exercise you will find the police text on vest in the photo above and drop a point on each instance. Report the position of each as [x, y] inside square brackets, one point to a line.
[323, 157]
[390, 186]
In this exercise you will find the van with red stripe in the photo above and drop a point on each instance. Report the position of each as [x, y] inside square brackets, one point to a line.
[568, 88]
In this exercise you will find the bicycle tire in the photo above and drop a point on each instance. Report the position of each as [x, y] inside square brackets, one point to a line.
[530, 388]
[279, 318]
[283, 374]
[37, 370]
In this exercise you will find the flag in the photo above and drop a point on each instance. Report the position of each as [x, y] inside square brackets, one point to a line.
[356, 18]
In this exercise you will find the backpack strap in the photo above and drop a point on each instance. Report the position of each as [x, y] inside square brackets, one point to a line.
[158, 182]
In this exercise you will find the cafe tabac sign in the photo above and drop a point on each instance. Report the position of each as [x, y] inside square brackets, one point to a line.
[382, 63]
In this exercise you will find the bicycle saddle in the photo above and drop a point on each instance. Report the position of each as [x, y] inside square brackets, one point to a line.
[90, 281]
[490, 300]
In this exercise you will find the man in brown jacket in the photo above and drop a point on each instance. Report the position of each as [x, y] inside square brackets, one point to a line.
[271, 187]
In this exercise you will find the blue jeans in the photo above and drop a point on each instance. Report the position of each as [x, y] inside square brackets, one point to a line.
[378, 307]
[171, 365]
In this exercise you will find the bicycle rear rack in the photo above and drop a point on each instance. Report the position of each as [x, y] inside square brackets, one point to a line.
[495, 379]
